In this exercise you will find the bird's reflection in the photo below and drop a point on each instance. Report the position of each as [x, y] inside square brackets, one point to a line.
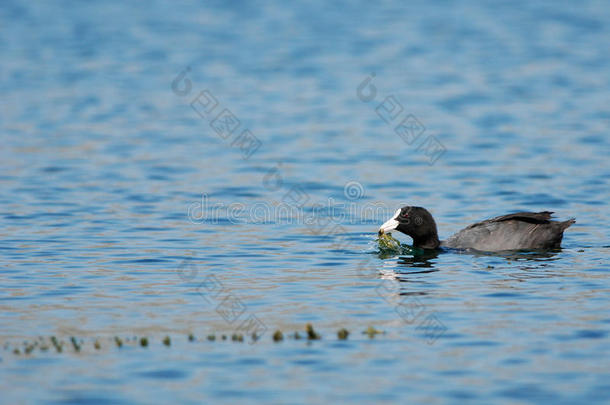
[519, 263]
[421, 260]
[418, 261]
[518, 255]
[413, 261]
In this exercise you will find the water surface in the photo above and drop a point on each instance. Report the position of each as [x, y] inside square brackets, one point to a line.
[123, 212]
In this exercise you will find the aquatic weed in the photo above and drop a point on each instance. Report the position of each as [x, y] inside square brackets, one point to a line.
[75, 344]
[371, 332]
[311, 333]
[278, 336]
[58, 345]
[389, 246]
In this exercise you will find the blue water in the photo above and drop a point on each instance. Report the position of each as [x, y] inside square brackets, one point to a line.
[127, 209]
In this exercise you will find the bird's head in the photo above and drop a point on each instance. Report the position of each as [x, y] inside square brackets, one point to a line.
[415, 222]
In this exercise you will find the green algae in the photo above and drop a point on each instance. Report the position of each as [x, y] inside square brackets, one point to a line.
[75, 344]
[58, 345]
[278, 336]
[390, 246]
[387, 242]
[372, 332]
[311, 333]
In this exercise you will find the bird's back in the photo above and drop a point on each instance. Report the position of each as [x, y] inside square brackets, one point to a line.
[519, 231]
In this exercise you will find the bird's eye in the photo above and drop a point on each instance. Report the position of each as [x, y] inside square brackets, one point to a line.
[404, 215]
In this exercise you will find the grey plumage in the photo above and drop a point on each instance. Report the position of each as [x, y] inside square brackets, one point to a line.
[519, 231]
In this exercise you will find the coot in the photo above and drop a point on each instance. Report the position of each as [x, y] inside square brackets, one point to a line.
[519, 231]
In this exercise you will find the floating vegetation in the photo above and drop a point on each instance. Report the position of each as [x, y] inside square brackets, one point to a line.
[371, 332]
[75, 344]
[387, 242]
[29, 347]
[58, 345]
[390, 246]
[311, 333]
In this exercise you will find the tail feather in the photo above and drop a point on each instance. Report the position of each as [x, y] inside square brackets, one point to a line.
[566, 224]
